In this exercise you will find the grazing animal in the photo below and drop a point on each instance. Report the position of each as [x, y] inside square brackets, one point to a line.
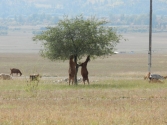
[5, 76]
[147, 76]
[72, 69]
[34, 77]
[84, 71]
[17, 71]
[155, 78]
[165, 77]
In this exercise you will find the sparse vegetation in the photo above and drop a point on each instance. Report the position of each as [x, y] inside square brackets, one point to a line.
[122, 97]
[105, 102]
[117, 94]
[32, 88]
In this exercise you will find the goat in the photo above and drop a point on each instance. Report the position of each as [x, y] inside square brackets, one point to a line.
[17, 71]
[35, 77]
[5, 76]
[155, 78]
[165, 77]
[84, 71]
[72, 69]
[147, 76]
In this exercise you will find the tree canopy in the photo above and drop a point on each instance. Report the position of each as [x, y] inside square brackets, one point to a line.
[78, 36]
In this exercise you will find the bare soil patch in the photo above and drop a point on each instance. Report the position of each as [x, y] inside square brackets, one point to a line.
[118, 66]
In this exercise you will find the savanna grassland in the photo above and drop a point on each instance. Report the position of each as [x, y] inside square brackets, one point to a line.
[117, 94]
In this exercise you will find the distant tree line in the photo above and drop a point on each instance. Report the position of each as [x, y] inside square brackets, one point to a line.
[36, 18]
[123, 19]
[3, 30]
[132, 19]
[3, 27]
[138, 23]
[124, 23]
[29, 20]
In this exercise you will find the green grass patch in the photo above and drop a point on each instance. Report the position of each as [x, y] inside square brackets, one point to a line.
[106, 84]
[103, 102]
[7, 106]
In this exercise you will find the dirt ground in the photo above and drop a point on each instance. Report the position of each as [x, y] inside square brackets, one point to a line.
[18, 50]
[21, 42]
[118, 66]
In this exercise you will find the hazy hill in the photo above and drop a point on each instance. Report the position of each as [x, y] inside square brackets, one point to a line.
[9, 8]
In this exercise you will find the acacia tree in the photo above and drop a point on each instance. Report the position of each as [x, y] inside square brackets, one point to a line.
[79, 37]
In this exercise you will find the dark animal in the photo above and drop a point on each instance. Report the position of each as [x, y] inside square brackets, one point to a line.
[15, 71]
[34, 77]
[84, 71]
[155, 78]
[72, 69]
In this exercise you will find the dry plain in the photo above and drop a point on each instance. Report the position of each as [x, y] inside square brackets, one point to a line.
[117, 94]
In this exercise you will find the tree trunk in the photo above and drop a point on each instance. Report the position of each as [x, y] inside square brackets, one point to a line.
[76, 81]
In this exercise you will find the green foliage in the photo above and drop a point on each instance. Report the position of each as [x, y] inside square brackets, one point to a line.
[78, 36]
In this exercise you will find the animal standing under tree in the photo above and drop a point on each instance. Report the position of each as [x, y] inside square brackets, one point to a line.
[72, 69]
[68, 35]
[84, 71]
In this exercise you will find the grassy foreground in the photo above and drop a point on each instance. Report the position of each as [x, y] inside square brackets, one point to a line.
[106, 102]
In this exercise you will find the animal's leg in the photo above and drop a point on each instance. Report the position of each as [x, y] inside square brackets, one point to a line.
[72, 81]
[88, 80]
[83, 80]
[69, 81]
[150, 80]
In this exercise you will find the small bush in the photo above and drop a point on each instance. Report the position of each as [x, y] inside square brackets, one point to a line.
[32, 87]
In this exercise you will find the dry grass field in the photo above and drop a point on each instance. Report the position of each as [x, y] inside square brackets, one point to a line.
[117, 94]
[115, 66]
[104, 103]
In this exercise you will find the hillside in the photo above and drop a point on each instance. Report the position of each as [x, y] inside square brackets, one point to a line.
[88, 7]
